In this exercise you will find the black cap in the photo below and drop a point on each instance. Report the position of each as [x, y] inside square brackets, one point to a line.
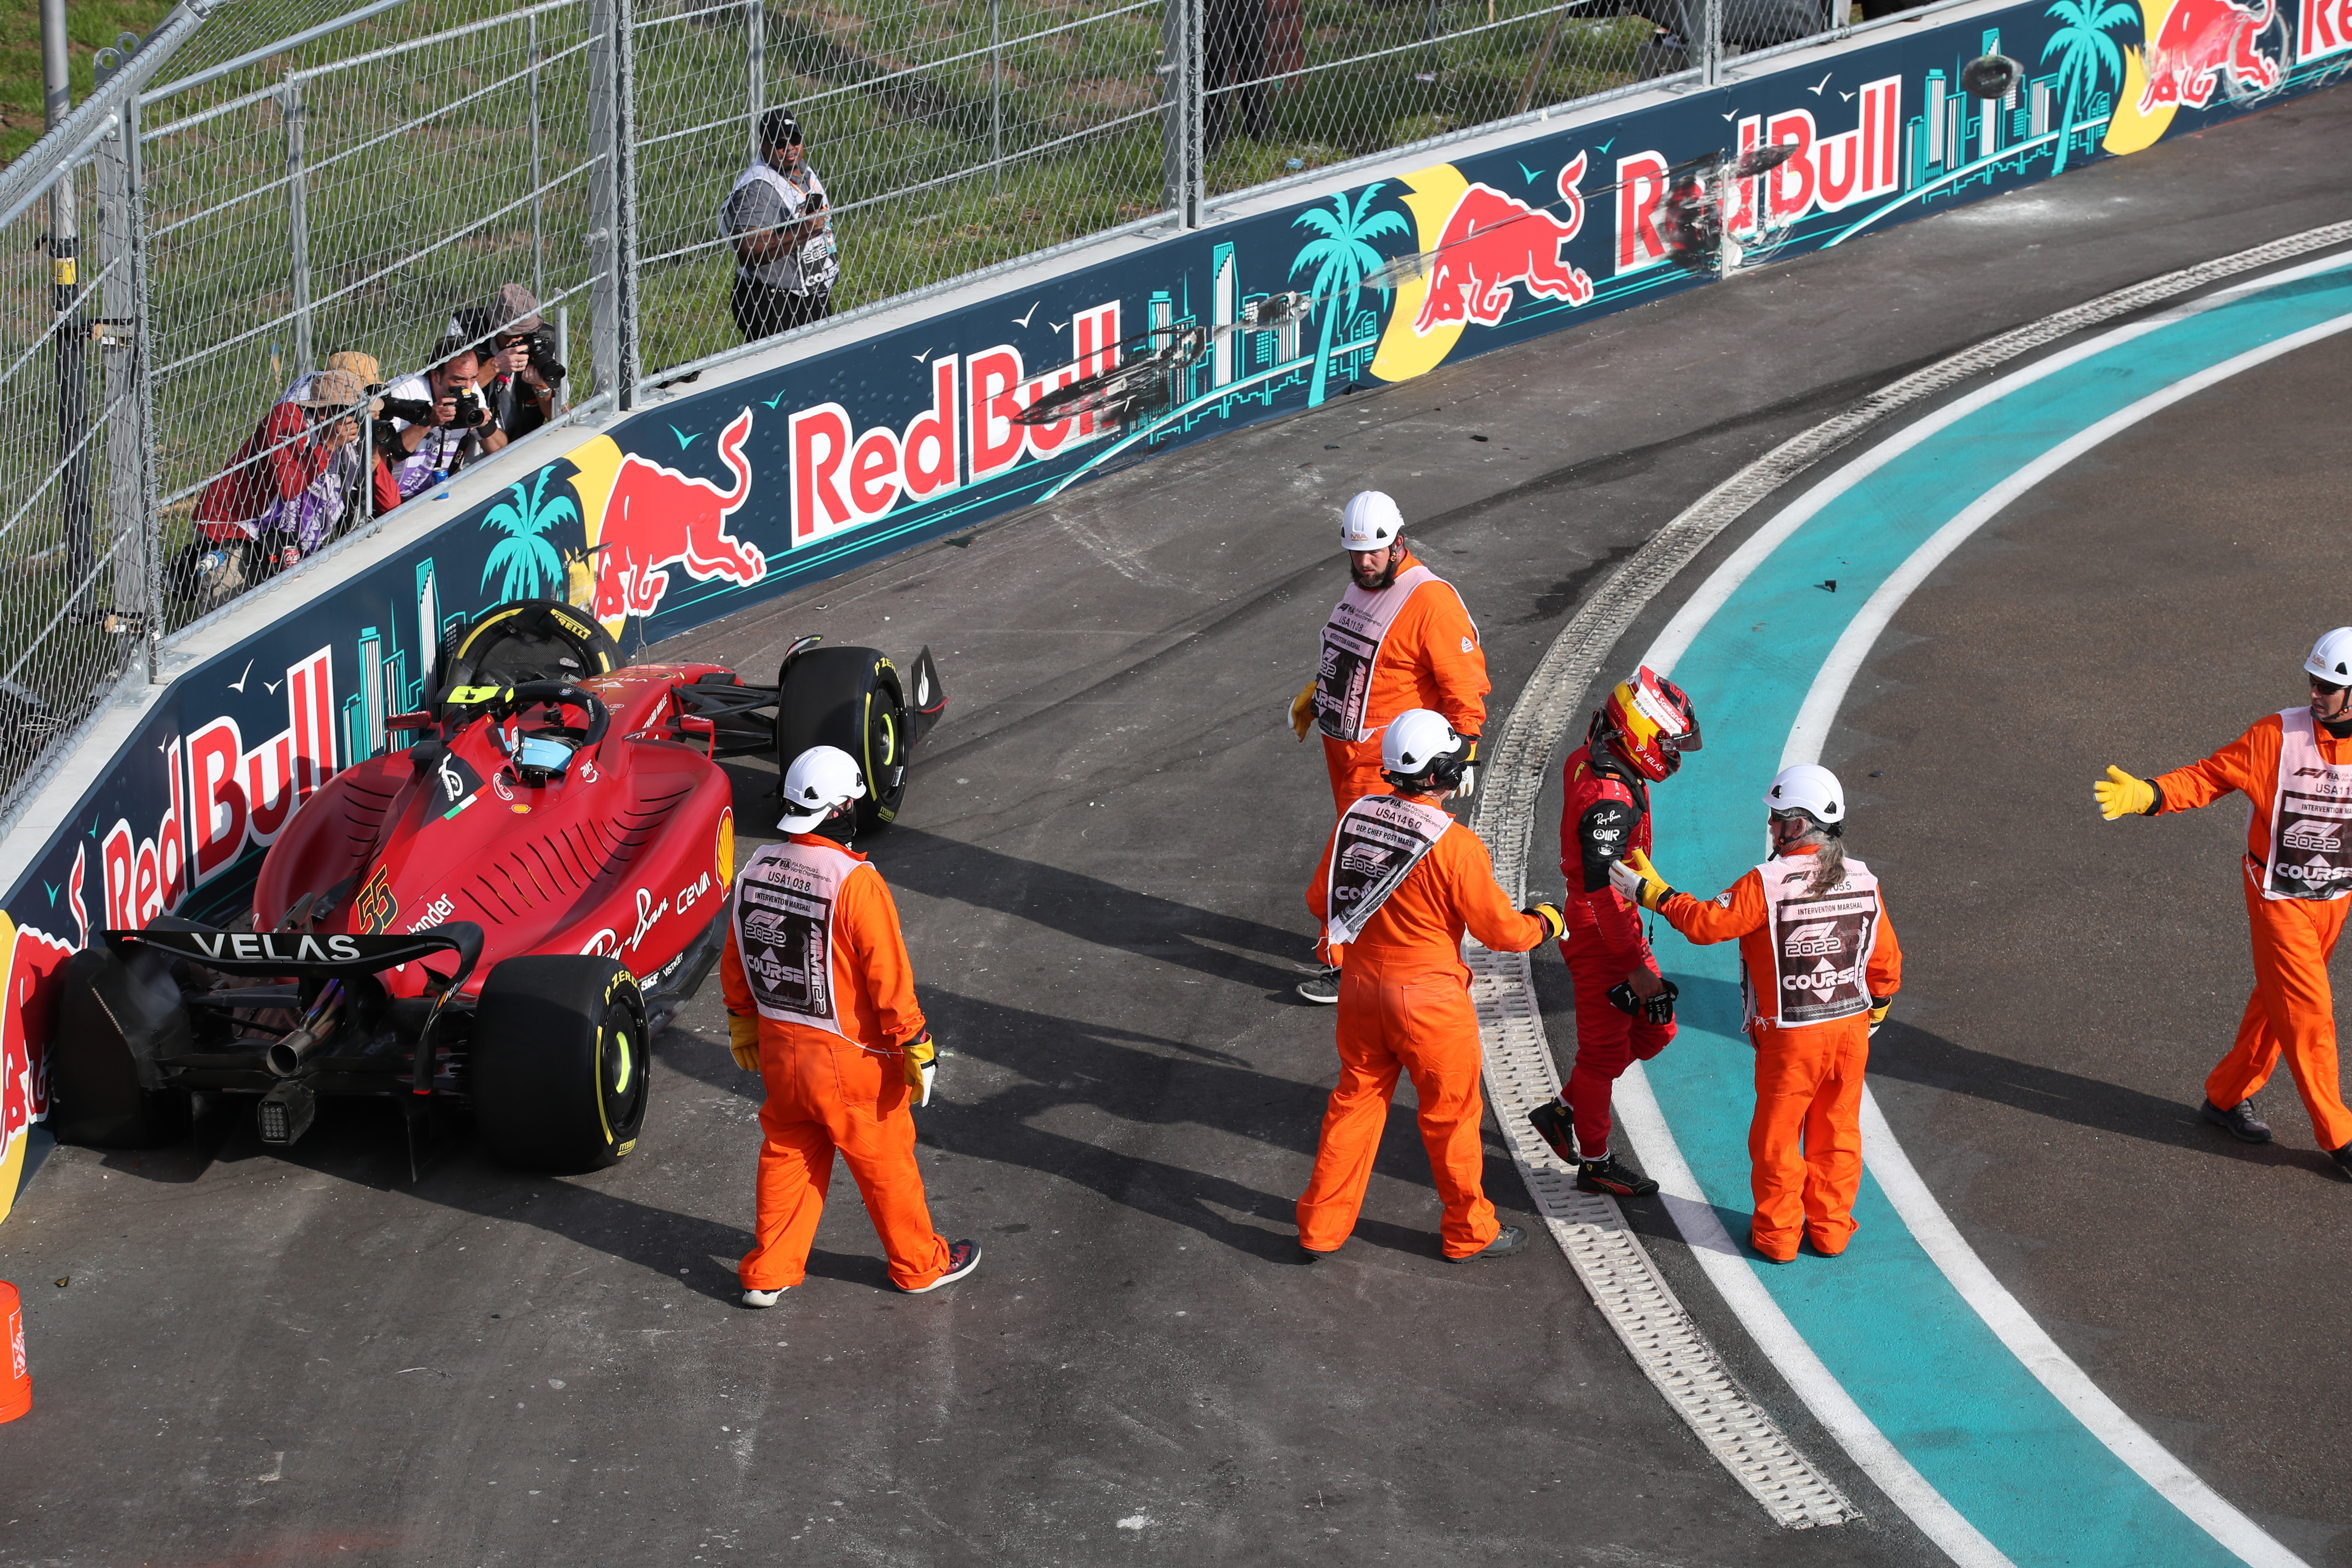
[779, 127]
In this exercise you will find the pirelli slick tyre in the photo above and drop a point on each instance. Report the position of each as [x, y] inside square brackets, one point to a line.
[98, 1095]
[529, 639]
[560, 1057]
[850, 698]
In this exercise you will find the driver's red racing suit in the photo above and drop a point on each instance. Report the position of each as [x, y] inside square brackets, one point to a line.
[1605, 813]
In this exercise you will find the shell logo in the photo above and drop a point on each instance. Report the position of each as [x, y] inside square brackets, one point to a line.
[723, 851]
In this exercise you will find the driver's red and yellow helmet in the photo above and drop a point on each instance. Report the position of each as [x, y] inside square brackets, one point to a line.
[1649, 723]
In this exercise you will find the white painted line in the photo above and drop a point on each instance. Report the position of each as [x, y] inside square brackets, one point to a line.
[1827, 694]
[2001, 1312]
[1925, 1217]
[1724, 580]
[1637, 1111]
[1546, 706]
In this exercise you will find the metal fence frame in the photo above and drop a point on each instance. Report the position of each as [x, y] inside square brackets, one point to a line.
[108, 133]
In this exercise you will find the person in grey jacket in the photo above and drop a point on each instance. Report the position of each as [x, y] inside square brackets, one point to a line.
[775, 218]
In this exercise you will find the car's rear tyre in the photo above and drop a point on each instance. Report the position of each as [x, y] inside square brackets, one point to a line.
[96, 1098]
[849, 698]
[559, 1061]
[530, 639]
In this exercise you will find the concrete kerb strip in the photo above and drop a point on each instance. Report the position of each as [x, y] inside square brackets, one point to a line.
[1616, 1270]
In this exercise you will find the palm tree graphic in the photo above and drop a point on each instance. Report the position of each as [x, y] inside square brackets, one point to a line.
[1340, 258]
[526, 555]
[2086, 55]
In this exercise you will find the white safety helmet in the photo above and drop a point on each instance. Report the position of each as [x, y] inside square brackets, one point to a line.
[2331, 656]
[820, 779]
[1811, 788]
[1371, 522]
[1418, 739]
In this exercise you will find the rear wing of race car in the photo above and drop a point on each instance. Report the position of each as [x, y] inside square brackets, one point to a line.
[314, 953]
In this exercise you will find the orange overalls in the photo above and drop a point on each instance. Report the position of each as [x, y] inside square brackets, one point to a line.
[845, 1092]
[1429, 659]
[1805, 1143]
[1404, 1005]
[2293, 1009]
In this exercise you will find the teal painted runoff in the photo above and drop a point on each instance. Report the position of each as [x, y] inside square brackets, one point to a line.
[1910, 1351]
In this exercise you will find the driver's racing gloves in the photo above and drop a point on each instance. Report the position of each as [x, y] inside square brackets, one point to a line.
[921, 1056]
[743, 1039]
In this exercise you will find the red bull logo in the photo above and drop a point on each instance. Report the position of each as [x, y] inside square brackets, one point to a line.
[1491, 241]
[2199, 41]
[2327, 29]
[658, 518]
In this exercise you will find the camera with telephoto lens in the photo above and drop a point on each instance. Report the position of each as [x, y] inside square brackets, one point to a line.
[543, 355]
[407, 410]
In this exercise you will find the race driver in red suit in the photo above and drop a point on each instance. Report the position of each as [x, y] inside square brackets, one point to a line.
[1636, 740]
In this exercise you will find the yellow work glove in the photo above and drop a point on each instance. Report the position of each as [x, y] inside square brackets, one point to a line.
[2120, 794]
[1637, 880]
[921, 1058]
[1302, 711]
[1878, 1012]
[1553, 924]
[743, 1039]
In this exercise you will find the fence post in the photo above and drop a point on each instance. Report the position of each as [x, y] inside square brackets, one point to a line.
[1180, 134]
[1710, 45]
[755, 59]
[996, 83]
[625, 185]
[298, 218]
[118, 319]
[538, 177]
[142, 381]
[604, 200]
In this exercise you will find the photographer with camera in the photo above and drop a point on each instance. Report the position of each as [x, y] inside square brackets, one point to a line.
[520, 372]
[428, 418]
[775, 217]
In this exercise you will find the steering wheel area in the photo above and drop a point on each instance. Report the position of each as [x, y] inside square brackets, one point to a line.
[543, 757]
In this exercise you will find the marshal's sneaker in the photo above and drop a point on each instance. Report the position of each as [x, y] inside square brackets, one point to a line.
[1606, 1175]
[763, 1298]
[2239, 1122]
[1323, 988]
[1557, 1128]
[2343, 1158]
[1507, 1240]
[963, 1257]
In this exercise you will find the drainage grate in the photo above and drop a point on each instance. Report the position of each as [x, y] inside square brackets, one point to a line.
[1617, 1272]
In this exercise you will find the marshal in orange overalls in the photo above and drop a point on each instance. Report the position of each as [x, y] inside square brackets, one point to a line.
[1804, 1142]
[1404, 1005]
[844, 1092]
[2292, 1012]
[1429, 658]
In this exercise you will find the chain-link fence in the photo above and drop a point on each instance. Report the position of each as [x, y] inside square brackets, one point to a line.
[272, 209]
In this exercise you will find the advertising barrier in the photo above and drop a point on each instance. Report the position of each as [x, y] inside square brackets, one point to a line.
[784, 475]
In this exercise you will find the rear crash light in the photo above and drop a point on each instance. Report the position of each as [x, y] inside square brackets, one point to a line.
[286, 1113]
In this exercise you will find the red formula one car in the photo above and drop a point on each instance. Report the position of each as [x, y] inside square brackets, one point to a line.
[502, 914]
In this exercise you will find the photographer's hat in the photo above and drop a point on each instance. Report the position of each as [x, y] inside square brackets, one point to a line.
[334, 389]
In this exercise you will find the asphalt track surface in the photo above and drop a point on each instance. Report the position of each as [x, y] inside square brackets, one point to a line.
[295, 1359]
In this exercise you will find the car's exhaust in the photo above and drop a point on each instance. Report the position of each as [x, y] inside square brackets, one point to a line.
[285, 1112]
[285, 1058]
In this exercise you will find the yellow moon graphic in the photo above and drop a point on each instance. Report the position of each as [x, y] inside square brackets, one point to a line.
[2129, 131]
[1404, 354]
[598, 463]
